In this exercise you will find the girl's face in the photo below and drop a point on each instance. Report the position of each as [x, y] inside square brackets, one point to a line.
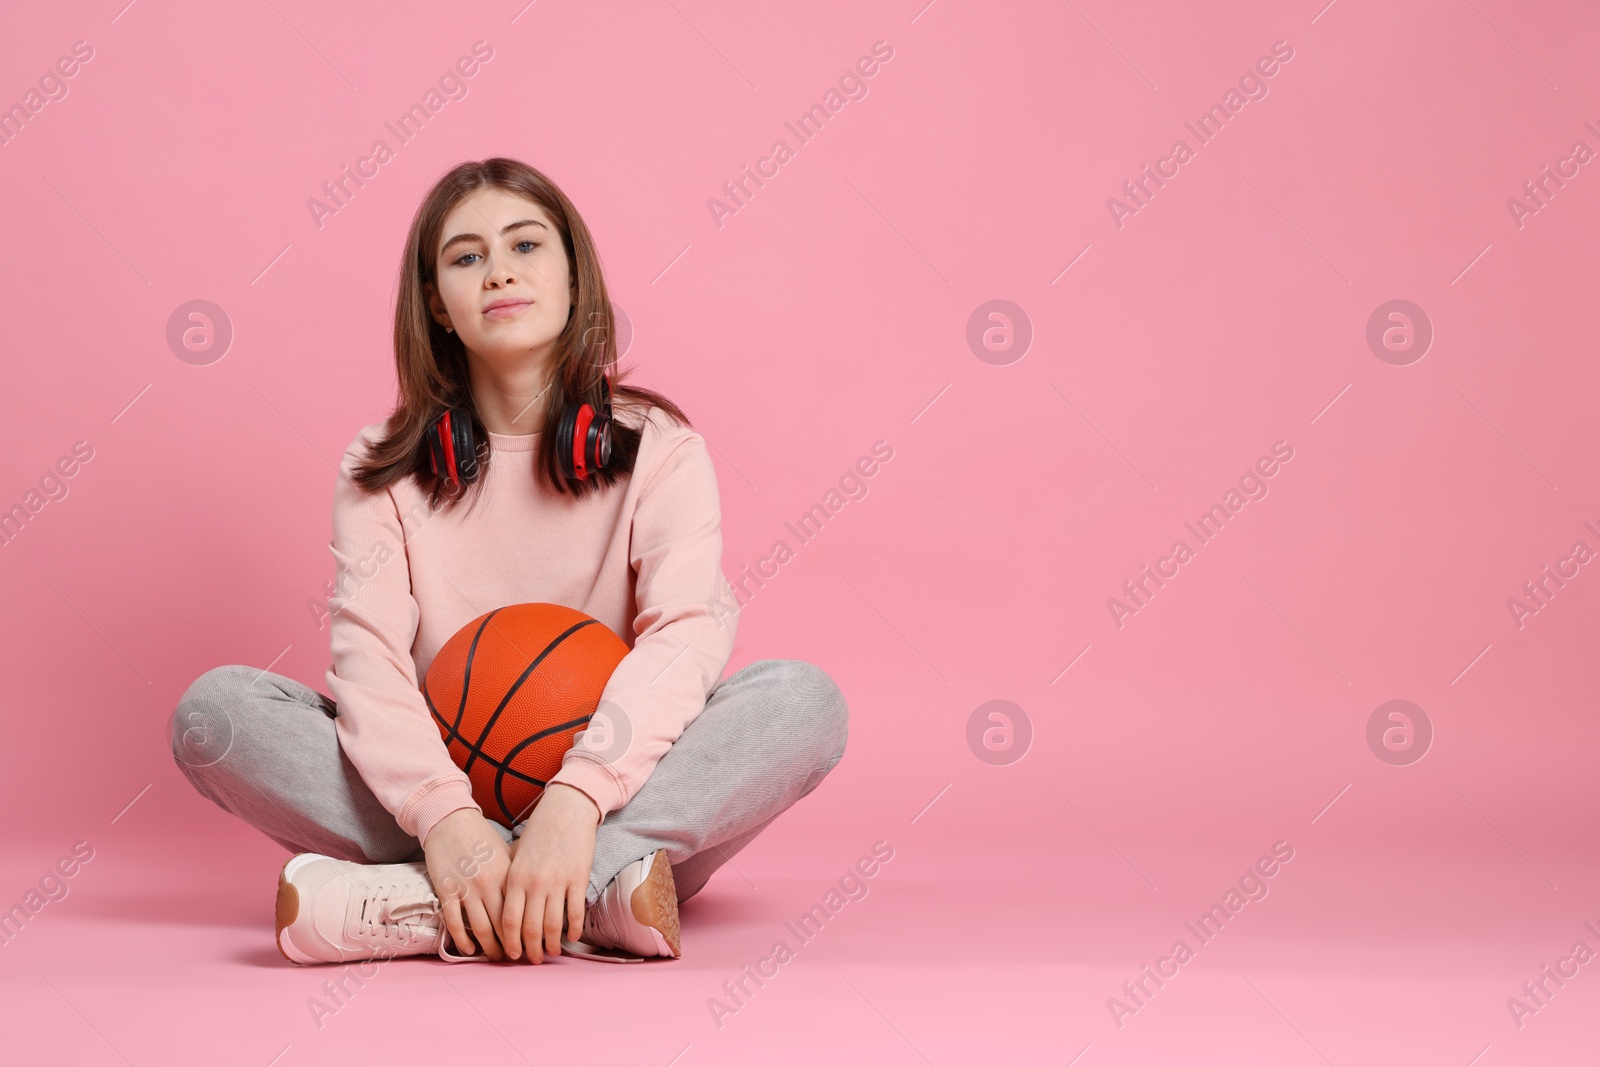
[503, 278]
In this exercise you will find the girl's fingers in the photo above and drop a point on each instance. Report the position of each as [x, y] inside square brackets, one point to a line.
[492, 903]
[458, 931]
[554, 906]
[481, 926]
[532, 921]
[575, 904]
[511, 922]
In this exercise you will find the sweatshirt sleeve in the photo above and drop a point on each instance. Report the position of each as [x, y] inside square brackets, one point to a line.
[382, 719]
[683, 632]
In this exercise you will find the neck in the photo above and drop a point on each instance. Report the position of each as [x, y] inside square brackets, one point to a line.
[510, 400]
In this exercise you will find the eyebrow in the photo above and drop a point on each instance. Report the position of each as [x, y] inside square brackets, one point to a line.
[458, 238]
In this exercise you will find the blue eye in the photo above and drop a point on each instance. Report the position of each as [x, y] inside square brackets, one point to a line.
[525, 247]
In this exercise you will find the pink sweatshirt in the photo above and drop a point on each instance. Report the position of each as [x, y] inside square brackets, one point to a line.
[643, 557]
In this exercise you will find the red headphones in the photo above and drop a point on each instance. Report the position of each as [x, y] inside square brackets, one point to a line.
[583, 442]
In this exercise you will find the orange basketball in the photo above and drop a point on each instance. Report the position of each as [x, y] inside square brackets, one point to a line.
[511, 690]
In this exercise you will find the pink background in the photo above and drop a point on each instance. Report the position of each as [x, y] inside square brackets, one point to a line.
[830, 313]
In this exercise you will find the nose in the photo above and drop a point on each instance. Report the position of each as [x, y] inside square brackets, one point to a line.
[498, 276]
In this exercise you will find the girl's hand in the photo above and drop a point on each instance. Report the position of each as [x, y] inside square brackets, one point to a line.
[550, 865]
[467, 863]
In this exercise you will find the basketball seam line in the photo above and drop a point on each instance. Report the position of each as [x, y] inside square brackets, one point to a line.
[488, 727]
[474, 751]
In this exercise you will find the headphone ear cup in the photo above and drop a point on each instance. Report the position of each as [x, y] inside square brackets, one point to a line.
[600, 432]
[458, 462]
[599, 453]
[596, 443]
[435, 450]
[564, 434]
[466, 445]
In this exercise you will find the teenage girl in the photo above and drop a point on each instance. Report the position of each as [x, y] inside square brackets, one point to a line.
[515, 468]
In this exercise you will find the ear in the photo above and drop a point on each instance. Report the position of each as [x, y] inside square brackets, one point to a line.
[436, 306]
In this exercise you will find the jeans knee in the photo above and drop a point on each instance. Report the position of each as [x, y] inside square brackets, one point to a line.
[201, 728]
[814, 703]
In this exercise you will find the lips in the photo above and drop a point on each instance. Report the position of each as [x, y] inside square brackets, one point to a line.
[503, 309]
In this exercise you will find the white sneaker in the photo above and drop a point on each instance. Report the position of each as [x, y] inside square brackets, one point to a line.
[336, 911]
[636, 916]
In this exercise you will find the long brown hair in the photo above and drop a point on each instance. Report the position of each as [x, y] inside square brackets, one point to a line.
[431, 364]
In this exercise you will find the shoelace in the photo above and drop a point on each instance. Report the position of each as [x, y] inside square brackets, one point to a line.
[584, 950]
[407, 922]
[601, 938]
[420, 918]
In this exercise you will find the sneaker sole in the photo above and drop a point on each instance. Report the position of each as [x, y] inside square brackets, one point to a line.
[288, 908]
[655, 905]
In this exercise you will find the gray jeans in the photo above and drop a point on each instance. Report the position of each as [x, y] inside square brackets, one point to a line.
[263, 747]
